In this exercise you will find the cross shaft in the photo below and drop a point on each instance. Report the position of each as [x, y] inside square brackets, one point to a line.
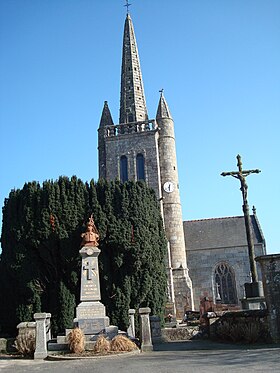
[241, 175]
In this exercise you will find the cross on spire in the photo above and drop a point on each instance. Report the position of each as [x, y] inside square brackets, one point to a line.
[127, 5]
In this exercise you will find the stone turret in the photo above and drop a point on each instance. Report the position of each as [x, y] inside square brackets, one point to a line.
[106, 120]
[172, 211]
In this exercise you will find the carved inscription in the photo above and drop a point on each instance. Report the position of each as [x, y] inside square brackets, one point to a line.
[93, 326]
[90, 289]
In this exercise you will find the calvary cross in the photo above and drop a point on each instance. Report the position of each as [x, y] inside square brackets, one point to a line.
[241, 176]
[90, 270]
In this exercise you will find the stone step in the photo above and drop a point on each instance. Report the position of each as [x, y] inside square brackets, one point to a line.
[54, 346]
[110, 332]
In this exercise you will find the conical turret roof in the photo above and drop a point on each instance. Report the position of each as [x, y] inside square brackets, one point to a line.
[106, 117]
[163, 109]
[132, 102]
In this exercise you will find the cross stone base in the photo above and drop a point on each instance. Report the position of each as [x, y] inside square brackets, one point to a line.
[91, 317]
[97, 325]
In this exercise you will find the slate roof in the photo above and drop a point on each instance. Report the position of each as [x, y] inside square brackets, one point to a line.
[220, 233]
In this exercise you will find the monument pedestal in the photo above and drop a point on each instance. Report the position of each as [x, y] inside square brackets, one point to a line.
[90, 313]
[255, 299]
[91, 317]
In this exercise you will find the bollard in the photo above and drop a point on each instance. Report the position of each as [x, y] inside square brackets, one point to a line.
[41, 319]
[131, 328]
[145, 329]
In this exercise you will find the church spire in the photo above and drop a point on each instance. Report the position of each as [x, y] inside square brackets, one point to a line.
[132, 102]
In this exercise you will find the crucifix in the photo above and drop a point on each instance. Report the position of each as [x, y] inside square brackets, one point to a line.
[218, 295]
[241, 175]
[90, 269]
[127, 5]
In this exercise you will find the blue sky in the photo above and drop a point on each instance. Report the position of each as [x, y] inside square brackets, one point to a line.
[218, 62]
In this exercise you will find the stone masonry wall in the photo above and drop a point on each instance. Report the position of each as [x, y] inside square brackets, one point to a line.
[130, 145]
[202, 264]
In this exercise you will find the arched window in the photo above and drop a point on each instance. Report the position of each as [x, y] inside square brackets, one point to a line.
[123, 169]
[140, 167]
[224, 284]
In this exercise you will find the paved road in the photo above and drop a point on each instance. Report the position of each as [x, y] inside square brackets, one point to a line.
[173, 357]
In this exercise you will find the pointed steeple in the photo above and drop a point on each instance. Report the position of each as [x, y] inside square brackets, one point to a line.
[106, 117]
[132, 103]
[163, 109]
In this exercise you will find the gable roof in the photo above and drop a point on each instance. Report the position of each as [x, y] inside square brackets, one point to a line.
[220, 233]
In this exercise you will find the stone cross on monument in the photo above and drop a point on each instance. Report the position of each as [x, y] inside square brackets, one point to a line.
[90, 268]
[241, 176]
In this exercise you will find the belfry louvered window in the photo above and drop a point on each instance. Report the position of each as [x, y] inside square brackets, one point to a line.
[123, 169]
[224, 283]
[140, 167]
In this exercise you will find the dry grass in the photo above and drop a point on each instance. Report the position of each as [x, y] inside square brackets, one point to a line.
[102, 345]
[236, 332]
[76, 340]
[248, 331]
[251, 332]
[122, 343]
[223, 330]
[25, 342]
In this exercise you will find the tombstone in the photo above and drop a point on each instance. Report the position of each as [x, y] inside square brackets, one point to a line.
[155, 323]
[90, 313]
[270, 266]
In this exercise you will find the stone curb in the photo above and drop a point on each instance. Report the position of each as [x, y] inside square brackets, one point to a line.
[61, 357]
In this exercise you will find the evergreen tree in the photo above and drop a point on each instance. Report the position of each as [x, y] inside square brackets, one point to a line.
[41, 236]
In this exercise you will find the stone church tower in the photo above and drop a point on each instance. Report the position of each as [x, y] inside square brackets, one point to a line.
[139, 148]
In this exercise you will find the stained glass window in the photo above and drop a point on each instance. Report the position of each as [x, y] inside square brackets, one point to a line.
[140, 167]
[225, 290]
[123, 169]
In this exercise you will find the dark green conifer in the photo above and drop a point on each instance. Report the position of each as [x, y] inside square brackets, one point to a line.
[41, 236]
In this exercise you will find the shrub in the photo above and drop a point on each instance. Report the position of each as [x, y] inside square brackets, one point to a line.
[76, 340]
[251, 332]
[122, 343]
[25, 342]
[102, 345]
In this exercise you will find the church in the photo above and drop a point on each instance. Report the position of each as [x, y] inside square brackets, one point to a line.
[206, 258]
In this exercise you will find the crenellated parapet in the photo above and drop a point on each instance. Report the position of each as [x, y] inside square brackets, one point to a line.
[132, 127]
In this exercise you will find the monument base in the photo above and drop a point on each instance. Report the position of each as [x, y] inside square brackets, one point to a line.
[91, 318]
[90, 310]
[92, 326]
[257, 303]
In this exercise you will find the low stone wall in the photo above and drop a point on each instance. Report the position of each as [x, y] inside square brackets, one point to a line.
[247, 326]
[180, 333]
[7, 345]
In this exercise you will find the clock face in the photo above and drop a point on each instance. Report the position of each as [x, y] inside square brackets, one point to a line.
[168, 187]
